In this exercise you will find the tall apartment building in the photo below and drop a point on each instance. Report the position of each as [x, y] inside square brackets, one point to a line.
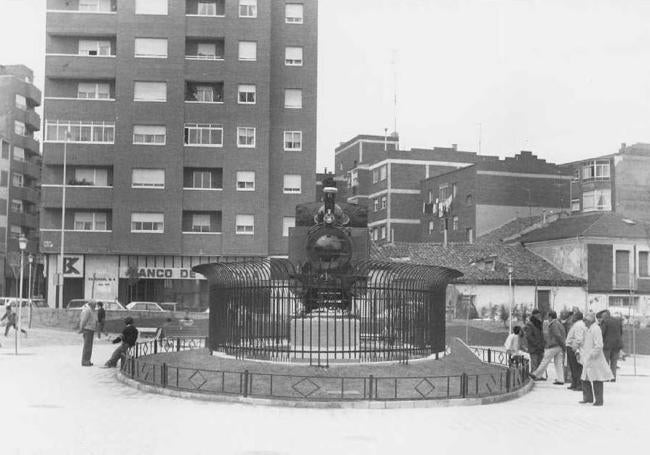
[617, 182]
[387, 181]
[481, 197]
[192, 137]
[19, 169]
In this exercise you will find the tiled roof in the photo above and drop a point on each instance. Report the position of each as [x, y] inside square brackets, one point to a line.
[511, 228]
[528, 268]
[604, 225]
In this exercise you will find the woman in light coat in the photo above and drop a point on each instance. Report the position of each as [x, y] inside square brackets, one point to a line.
[595, 369]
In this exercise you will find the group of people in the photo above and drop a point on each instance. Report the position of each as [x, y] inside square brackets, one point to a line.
[91, 321]
[592, 343]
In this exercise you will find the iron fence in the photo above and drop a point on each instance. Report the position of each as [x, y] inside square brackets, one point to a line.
[142, 367]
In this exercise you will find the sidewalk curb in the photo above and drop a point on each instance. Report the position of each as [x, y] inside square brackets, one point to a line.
[406, 404]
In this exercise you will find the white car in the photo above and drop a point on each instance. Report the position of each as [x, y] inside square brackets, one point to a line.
[109, 305]
[144, 306]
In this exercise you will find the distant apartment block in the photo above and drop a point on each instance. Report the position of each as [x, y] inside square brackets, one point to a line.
[190, 133]
[20, 164]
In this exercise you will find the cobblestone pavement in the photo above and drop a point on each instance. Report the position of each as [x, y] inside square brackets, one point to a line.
[50, 404]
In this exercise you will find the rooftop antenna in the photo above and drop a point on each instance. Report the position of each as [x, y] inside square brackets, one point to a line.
[394, 65]
[385, 139]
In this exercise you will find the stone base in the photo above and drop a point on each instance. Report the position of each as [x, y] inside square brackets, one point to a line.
[329, 337]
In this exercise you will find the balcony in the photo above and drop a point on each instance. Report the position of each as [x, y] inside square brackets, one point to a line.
[32, 119]
[81, 23]
[205, 26]
[73, 66]
[202, 200]
[25, 193]
[28, 143]
[76, 241]
[28, 168]
[28, 220]
[33, 94]
[198, 244]
[77, 197]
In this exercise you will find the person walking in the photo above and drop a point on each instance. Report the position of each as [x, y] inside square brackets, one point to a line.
[595, 369]
[555, 340]
[87, 325]
[574, 342]
[127, 340]
[10, 316]
[612, 329]
[101, 319]
[534, 337]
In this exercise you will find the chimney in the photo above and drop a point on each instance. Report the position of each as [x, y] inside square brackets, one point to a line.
[623, 147]
[325, 170]
[454, 146]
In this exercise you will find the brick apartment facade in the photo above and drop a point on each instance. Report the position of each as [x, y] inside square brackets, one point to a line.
[19, 169]
[193, 137]
[617, 182]
[487, 194]
[387, 180]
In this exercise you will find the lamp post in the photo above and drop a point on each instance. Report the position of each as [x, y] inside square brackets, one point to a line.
[30, 260]
[22, 244]
[60, 265]
[512, 295]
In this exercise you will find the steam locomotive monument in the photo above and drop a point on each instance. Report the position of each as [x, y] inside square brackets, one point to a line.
[328, 301]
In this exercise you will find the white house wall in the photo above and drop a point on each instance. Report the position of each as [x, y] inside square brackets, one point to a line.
[568, 256]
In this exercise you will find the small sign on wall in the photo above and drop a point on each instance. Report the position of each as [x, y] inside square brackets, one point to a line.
[73, 266]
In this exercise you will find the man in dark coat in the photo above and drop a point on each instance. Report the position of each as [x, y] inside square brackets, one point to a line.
[555, 342]
[612, 329]
[127, 340]
[534, 339]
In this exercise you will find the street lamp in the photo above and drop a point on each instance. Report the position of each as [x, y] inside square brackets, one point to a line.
[512, 295]
[30, 260]
[22, 244]
[60, 265]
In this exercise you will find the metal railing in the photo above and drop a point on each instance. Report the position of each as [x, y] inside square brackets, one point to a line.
[141, 365]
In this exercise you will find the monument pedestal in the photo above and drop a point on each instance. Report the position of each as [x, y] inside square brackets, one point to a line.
[325, 337]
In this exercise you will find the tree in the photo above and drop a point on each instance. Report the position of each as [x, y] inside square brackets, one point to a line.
[484, 312]
[493, 312]
[504, 314]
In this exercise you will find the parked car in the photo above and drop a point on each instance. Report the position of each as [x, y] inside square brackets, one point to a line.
[13, 301]
[144, 306]
[109, 305]
[168, 306]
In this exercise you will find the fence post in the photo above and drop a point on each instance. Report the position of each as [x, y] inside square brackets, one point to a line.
[489, 355]
[137, 349]
[508, 379]
[155, 346]
[245, 383]
[370, 386]
[463, 385]
[163, 374]
[178, 344]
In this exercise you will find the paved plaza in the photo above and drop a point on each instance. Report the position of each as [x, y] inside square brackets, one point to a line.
[50, 404]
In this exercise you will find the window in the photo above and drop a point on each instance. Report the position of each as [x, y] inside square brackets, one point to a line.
[158, 7]
[470, 234]
[95, 5]
[382, 173]
[287, 222]
[19, 153]
[19, 128]
[375, 205]
[90, 221]
[292, 184]
[4, 179]
[203, 134]
[596, 170]
[94, 47]
[382, 232]
[17, 206]
[375, 175]
[204, 93]
[575, 205]
[201, 222]
[431, 227]
[94, 132]
[623, 300]
[384, 202]
[245, 181]
[150, 91]
[597, 200]
[147, 222]
[246, 94]
[622, 269]
[293, 56]
[454, 223]
[430, 196]
[469, 200]
[373, 234]
[293, 13]
[15, 231]
[644, 270]
[247, 50]
[90, 176]
[245, 224]
[148, 178]
[247, 8]
[201, 179]
[18, 179]
[151, 47]
[207, 8]
[293, 141]
[207, 51]
[245, 136]
[443, 192]
[149, 134]
[293, 98]
[93, 90]
[21, 102]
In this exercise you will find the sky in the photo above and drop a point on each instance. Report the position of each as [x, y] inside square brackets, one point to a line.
[565, 79]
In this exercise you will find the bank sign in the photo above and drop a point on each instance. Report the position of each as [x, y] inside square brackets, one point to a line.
[163, 273]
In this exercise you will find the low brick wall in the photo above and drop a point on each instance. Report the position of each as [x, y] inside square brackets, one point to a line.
[69, 319]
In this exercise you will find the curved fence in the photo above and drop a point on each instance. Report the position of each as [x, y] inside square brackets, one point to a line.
[141, 365]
